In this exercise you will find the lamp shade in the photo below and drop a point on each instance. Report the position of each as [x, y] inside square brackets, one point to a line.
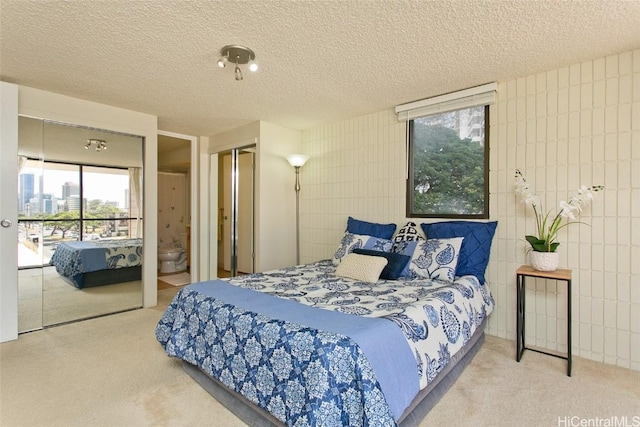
[297, 160]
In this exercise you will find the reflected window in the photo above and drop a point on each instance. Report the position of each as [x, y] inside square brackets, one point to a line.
[60, 202]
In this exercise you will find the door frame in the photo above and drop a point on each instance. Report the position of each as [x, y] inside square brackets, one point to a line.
[9, 211]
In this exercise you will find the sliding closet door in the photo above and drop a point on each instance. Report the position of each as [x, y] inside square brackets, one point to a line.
[245, 249]
[76, 184]
[30, 245]
[236, 212]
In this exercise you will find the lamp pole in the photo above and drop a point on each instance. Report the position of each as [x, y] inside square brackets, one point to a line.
[297, 188]
[297, 161]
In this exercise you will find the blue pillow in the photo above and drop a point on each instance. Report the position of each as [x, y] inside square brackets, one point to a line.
[476, 246]
[395, 262]
[350, 241]
[382, 231]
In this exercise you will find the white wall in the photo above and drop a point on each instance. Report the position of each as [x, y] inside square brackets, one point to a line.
[356, 168]
[276, 203]
[563, 128]
[51, 106]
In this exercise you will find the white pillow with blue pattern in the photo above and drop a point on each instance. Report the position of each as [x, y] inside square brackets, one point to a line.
[352, 241]
[431, 259]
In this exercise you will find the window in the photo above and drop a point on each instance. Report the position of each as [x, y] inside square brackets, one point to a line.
[448, 172]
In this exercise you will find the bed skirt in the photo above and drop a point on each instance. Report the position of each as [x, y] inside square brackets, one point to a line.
[426, 399]
[105, 277]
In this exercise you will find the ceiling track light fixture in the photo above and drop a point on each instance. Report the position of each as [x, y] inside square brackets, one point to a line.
[99, 143]
[237, 55]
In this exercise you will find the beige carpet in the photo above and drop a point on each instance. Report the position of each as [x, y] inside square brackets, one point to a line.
[110, 371]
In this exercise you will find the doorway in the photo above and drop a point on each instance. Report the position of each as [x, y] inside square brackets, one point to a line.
[174, 210]
[236, 224]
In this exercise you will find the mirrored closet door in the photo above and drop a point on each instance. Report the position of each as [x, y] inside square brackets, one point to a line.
[79, 223]
[236, 212]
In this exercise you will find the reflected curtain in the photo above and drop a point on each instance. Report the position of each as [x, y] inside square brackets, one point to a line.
[22, 160]
[135, 185]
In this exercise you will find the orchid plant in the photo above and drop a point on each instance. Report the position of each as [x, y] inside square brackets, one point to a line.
[548, 225]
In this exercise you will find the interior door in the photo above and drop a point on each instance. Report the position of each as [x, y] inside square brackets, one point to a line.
[237, 210]
[245, 211]
[226, 212]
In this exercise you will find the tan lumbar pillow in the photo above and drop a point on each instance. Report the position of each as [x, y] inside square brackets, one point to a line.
[361, 267]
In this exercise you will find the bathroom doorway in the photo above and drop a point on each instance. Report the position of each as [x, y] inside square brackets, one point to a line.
[174, 211]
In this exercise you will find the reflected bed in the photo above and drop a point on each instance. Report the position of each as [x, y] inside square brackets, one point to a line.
[96, 263]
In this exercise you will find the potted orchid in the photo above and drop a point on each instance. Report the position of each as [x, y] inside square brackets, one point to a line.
[548, 224]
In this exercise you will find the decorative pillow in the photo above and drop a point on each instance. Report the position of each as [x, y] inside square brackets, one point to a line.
[361, 267]
[395, 262]
[383, 231]
[408, 233]
[432, 258]
[352, 241]
[476, 247]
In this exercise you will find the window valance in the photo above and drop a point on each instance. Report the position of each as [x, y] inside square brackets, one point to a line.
[472, 97]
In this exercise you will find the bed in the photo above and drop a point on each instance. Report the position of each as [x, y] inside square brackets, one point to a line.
[347, 341]
[98, 262]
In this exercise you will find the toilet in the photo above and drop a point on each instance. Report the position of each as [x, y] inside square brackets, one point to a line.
[172, 260]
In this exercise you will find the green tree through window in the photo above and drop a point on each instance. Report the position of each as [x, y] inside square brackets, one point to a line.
[448, 165]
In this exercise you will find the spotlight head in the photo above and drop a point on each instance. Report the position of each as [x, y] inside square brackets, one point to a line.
[238, 73]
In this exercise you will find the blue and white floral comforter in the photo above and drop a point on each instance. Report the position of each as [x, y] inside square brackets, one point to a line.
[314, 375]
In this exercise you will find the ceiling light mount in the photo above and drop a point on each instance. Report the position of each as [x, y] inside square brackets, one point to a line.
[238, 55]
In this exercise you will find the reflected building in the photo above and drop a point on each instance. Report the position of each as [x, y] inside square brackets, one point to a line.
[46, 204]
[70, 189]
[25, 191]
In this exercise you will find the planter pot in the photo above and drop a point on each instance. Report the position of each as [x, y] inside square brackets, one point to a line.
[544, 261]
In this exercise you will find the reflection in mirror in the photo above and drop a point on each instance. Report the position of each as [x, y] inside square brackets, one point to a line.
[80, 223]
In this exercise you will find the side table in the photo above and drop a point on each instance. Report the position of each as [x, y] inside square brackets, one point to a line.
[527, 271]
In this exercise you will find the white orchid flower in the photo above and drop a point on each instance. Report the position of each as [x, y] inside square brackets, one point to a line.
[567, 210]
[548, 224]
[531, 200]
[585, 192]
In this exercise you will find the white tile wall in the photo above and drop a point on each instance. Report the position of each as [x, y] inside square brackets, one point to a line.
[563, 128]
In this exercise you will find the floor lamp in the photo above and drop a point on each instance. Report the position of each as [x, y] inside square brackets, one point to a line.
[297, 161]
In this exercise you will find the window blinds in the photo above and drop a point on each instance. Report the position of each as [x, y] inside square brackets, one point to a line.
[472, 97]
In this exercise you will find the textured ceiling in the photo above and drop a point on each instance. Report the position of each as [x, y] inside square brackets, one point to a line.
[320, 61]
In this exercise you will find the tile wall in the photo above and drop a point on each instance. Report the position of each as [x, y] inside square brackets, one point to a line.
[563, 128]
